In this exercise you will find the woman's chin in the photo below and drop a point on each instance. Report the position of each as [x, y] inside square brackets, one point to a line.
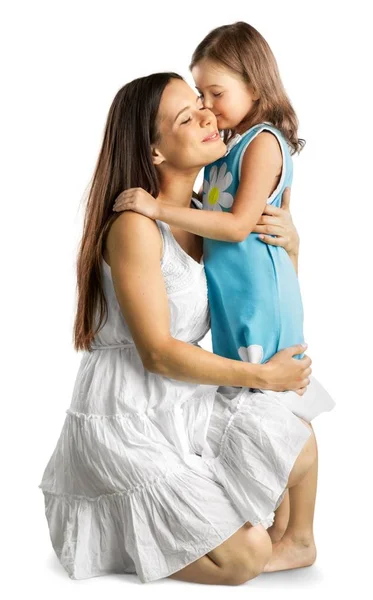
[219, 151]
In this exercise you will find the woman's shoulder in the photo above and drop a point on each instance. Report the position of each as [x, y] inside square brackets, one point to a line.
[131, 230]
[129, 219]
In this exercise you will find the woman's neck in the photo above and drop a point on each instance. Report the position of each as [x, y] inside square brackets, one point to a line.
[177, 190]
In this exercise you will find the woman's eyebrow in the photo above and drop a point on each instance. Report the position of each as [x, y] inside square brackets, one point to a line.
[183, 109]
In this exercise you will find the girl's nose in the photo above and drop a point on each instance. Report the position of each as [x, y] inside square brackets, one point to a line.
[207, 116]
[207, 104]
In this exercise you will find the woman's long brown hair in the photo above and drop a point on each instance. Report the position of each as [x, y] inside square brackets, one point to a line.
[124, 162]
[242, 49]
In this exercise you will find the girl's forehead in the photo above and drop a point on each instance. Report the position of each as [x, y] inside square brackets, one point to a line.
[209, 73]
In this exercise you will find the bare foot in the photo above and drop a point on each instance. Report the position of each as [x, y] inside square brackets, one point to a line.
[291, 554]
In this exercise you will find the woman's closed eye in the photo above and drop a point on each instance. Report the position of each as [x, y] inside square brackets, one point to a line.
[190, 118]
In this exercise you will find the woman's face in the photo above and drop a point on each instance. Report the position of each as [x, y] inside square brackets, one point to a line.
[189, 137]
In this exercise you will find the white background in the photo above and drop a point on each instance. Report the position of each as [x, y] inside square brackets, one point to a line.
[63, 62]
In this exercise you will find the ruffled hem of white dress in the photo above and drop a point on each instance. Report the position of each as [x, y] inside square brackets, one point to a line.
[315, 401]
[190, 506]
[152, 532]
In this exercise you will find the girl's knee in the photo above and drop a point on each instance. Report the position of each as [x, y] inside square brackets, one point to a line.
[304, 461]
[310, 447]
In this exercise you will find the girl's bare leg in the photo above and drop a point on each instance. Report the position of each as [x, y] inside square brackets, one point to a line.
[247, 553]
[297, 546]
[277, 530]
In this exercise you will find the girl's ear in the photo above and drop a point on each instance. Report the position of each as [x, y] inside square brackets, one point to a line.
[157, 156]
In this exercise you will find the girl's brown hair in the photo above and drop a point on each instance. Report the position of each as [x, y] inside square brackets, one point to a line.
[242, 49]
[124, 161]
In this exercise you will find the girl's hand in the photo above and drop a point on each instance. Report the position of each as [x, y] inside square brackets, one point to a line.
[283, 372]
[278, 221]
[138, 200]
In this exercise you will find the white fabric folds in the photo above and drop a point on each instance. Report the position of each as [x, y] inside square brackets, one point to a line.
[150, 473]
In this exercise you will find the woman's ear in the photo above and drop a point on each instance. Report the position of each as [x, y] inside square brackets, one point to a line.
[157, 156]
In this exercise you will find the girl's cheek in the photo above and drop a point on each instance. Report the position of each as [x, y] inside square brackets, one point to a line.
[219, 105]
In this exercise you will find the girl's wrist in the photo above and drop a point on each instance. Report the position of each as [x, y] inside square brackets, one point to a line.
[158, 211]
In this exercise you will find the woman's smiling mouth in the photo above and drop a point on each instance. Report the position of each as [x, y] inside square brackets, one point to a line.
[212, 137]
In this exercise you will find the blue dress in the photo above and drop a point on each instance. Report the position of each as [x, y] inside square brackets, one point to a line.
[253, 290]
[254, 296]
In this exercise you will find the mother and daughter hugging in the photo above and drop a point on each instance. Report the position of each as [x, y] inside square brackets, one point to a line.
[174, 461]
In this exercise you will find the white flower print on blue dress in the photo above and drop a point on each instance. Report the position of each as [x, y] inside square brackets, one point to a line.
[219, 181]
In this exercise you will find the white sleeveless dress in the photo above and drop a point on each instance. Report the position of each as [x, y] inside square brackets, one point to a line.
[151, 473]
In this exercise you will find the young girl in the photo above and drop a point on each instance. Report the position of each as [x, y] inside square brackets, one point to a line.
[253, 290]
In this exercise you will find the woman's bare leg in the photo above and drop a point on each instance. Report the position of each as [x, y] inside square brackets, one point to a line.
[297, 546]
[237, 560]
[277, 530]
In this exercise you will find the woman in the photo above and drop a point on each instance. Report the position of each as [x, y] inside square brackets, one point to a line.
[168, 464]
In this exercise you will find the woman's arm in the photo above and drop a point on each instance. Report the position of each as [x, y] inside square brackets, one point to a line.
[134, 246]
[276, 228]
[261, 163]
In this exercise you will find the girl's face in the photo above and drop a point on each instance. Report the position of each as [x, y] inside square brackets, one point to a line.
[189, 136]
[224, 92]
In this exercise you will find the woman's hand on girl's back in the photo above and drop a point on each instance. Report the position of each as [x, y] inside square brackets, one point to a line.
[278, 222]
[283, 372]
[138, 200]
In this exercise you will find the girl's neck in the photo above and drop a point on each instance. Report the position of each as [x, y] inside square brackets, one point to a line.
[248, 122]
[243, 127]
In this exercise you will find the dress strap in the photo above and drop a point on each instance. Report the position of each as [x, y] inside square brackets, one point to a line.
[166, 234]
[197, 203]
[163, 229]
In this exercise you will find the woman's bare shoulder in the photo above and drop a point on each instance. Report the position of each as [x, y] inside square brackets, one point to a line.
[132, 233]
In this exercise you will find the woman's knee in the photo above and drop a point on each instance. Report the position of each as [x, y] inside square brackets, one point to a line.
[251, 558]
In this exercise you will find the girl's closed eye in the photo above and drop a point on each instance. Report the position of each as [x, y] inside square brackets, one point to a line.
[215, 95]
[187, 121]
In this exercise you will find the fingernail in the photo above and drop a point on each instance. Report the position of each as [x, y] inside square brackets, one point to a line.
[304, 345]
[261, 236]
